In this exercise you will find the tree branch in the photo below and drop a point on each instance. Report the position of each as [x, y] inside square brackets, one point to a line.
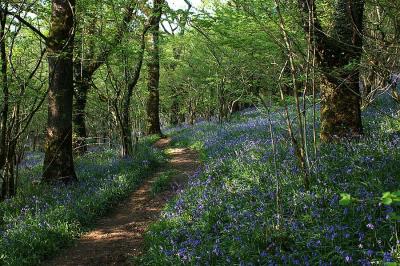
[26, 23]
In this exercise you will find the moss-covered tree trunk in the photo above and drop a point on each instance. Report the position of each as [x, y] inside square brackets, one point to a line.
[339, 56]
[58, 162]
[153, 101]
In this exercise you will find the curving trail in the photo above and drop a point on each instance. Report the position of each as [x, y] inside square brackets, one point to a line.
[118, 237]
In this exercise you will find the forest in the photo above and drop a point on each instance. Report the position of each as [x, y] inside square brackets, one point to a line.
[200, 132]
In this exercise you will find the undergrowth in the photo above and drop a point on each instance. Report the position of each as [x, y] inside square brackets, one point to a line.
[162, 182]
[243, 209]
[41, 219]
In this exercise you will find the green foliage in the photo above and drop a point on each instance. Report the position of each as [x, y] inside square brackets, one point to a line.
[388, 199]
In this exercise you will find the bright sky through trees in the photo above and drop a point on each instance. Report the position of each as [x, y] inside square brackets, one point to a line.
[180, 4]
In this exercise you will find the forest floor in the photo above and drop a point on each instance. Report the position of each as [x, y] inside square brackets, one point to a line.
[119, 237]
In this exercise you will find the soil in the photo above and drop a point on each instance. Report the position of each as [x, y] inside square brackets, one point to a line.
[118, 238]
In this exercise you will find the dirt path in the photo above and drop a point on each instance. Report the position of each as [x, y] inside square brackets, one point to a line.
[119, 237]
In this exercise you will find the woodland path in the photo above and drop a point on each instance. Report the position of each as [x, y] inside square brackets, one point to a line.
[119, 237]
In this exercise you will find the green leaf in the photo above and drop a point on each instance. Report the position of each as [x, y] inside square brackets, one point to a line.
[386, 195]
[345, 200]
[396, 193]
[387, 201]
[390, 264]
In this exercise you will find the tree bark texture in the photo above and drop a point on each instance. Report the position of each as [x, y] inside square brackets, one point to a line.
[339, 56]
[58, 162]
[4, 87]
[4, 148]
[153, 102]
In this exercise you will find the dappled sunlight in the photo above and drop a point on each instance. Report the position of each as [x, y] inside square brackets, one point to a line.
[121, 234]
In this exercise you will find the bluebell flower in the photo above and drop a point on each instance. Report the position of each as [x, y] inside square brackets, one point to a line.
[387, 257]
[348, 259]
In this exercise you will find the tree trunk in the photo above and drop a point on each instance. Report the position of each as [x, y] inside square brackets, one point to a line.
[79, 116]
[58, 161]
[223, 112]
[127, 144]
[153, 102]
[340, 109]
[9, 184]
[174, 118]
[4, 108]
[339, 57]
[4, 86]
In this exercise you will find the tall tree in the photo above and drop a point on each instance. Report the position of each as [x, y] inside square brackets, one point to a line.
[339, 55]
[153, 102]
[5, 104]
[4, 86]
[58, 161]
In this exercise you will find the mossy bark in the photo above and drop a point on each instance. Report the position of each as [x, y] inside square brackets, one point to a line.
[340, 110]
[58, 162]
[339, 56]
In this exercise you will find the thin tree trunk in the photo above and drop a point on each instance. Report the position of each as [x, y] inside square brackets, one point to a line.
[127, 148]
[79, 116]
[153, 102]
[174, 118]
[58, 162]
[223, 112]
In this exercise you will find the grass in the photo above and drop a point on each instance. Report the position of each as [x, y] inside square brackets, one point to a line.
[162, 182]
[42, 219]
[241, 210]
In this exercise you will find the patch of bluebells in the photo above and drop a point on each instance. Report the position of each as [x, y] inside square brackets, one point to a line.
[228, 212]
[42, 219]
